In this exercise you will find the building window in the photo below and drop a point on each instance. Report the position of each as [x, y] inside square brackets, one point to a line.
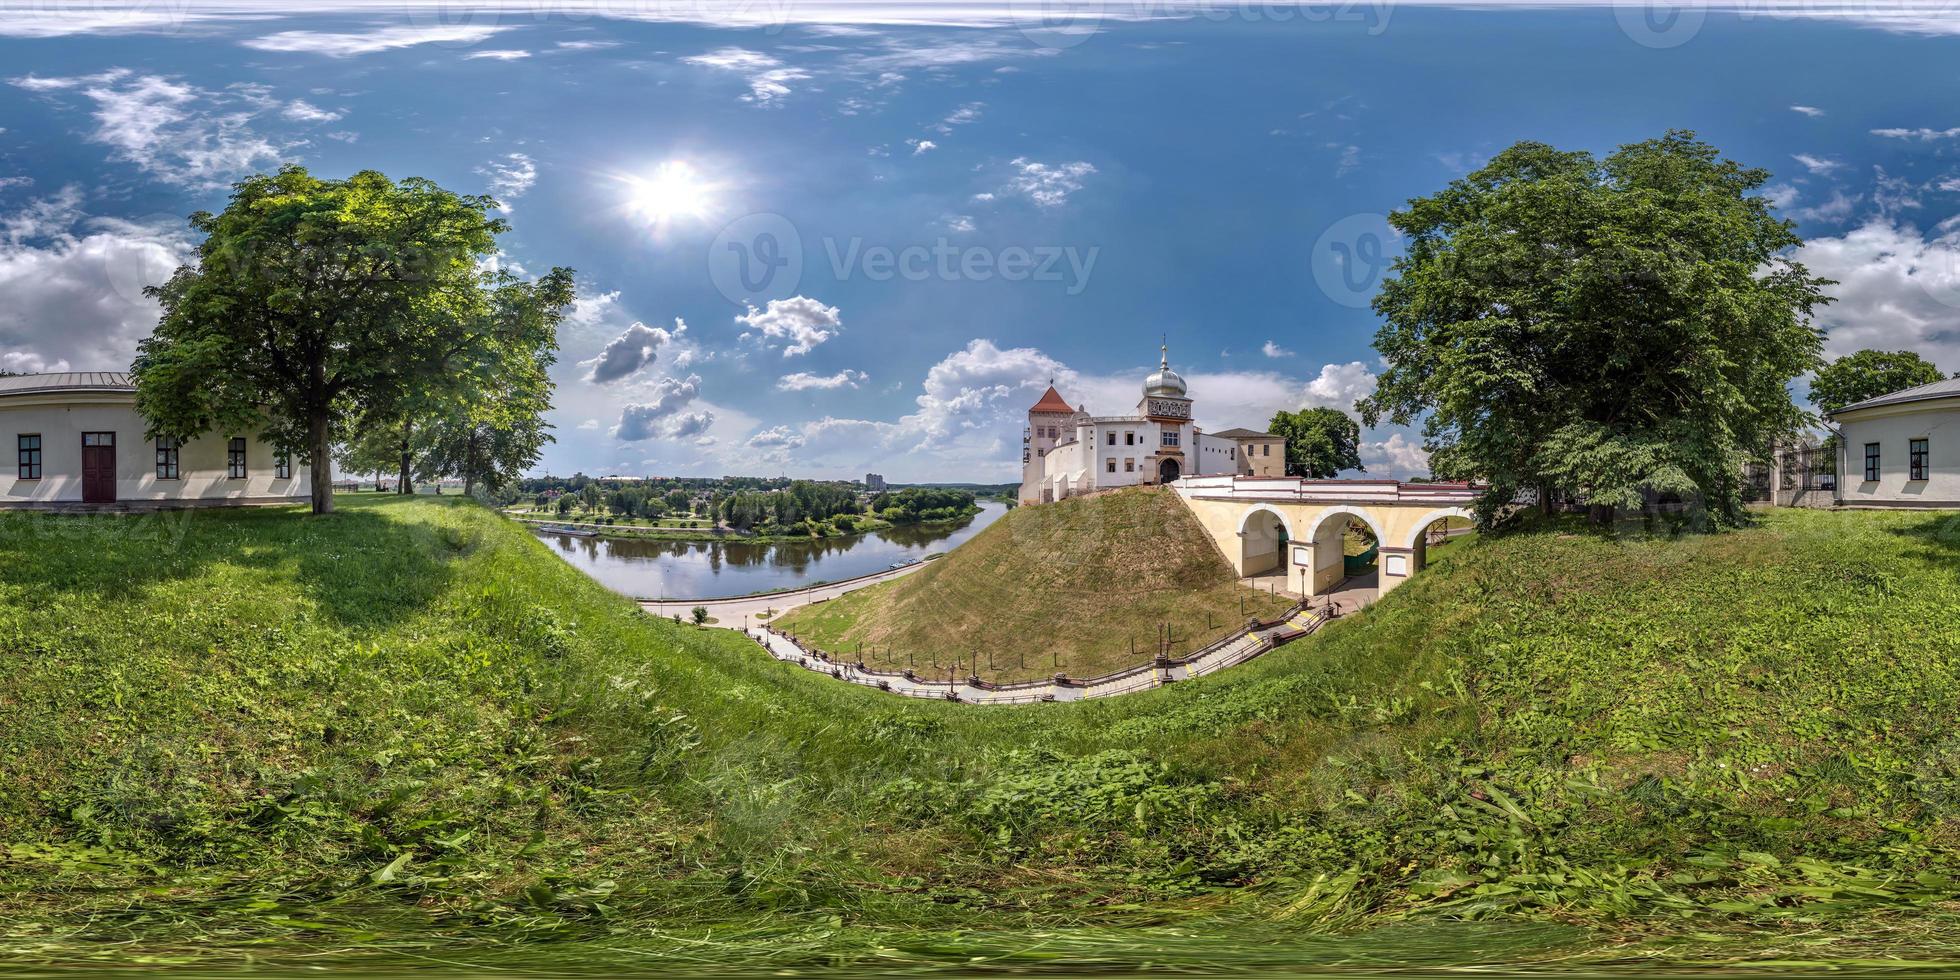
[282, 466]
[30, 457]
[1170, 437]
[1130, 465]
[235, 459]
[1266, 450]
[1129, 438]
[1918, 455]
[1112, 438]
[1110, 464]
[166, 458]
[1871, 461]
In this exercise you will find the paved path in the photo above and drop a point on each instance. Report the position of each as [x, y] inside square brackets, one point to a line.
[741, 612]
[1229, 652]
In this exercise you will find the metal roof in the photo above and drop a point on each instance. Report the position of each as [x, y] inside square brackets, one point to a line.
[22, 384]
[1242, 434]
[1950, 388]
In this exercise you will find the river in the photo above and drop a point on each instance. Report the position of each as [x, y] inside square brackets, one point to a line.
[646, 569]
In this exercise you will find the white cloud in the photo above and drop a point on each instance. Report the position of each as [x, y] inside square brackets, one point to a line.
[1833, 211]
[1897, 289]
[661, 413]
[300, 110]
[380, 39]
[1397, 457]
[767, 75]
[1271, 349]
[1816, 164]
[1780, 195]
[778, 437]
[632, 350]
[1808, 110]
[1922, 134]
[957, 223]
[805, 381]
[175, 131]
[510, 178]
[921, 146]
[498, 54]
[965, 114]
[1340, 386]
[74, 284]
[800, 321]
[589, 424]
[1350, 161]
[586, 45]
[1046, 185]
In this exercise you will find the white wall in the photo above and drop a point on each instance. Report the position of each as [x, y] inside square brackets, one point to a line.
[1893, 427]
[60, 421]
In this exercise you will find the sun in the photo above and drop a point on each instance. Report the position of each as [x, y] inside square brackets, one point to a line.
[674, 191]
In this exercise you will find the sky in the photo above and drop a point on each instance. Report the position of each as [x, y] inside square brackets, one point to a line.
[824, 239]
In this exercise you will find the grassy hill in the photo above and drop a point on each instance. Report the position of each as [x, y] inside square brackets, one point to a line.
[1082, 586]
[406, 736]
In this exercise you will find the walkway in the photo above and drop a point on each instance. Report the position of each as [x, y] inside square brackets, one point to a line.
[742, 612]
[1231, 651]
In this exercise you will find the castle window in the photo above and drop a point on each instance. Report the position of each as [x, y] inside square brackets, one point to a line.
[235, 459]
[29, 447]
[1110, 464]
[1129, 438]
[1170, 437]
[1266, 450]
[1130, 465]
[1112, 441]
[1919, 458]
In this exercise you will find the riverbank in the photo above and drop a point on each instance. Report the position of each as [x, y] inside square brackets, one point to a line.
[860, 526]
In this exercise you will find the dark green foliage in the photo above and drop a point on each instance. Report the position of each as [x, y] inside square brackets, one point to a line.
[1320, 442]
[1609, 329]
[1869, 374]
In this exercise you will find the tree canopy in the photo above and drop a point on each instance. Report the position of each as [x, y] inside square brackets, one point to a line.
[1320, 442]
[1868, 374]
[1607, 329]
[311, 299]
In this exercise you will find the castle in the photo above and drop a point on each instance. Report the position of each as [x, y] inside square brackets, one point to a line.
[1065, 451]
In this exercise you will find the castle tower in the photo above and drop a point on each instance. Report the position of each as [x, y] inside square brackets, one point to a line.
[1166, 403]
[1048, 421]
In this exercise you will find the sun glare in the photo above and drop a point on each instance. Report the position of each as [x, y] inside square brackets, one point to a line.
[672, 192]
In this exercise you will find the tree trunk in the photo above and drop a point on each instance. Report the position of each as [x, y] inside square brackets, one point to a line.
[469, 464]
[1602, 514]
[404, 484]
[319, 447]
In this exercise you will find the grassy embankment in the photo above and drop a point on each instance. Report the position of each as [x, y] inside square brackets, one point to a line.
[1083, 586]
[406, 736]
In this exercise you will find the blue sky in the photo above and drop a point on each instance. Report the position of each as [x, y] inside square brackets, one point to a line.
[826, 239]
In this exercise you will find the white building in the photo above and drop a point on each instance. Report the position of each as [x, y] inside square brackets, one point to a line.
[1901, 449]
[1066, 451]
[72, 439]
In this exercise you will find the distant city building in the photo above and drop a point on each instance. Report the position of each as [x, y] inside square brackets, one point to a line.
[1065, 451]
[874, 482]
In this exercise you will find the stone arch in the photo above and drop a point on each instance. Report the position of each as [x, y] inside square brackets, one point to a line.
[1263, 540]
[1313, 533]
[1418, 543]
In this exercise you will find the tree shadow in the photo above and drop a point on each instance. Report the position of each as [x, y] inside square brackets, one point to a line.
[1938, 536]
[360, 567]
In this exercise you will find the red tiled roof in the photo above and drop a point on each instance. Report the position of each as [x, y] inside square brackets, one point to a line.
[1051, 401]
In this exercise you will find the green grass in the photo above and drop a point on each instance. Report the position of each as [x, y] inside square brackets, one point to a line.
[1082, 586]
[406, 736]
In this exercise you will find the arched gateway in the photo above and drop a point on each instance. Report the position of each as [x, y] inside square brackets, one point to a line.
[1267, 524]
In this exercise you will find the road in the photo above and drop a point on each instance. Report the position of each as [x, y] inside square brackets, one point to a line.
[742, 611]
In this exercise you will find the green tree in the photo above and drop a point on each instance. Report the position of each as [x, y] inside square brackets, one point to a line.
[1605, 328]
[1868, 374]
[490, 427]
[310, 298]
[1320, 442]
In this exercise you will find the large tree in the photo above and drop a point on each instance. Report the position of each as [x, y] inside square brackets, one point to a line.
[1320, 442]
[1869, 374]
[1599, 328]
[312, 297]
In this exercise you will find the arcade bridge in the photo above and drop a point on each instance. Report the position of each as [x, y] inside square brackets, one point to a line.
[1289, 525]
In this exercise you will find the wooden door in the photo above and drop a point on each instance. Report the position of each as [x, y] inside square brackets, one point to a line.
[98, 467]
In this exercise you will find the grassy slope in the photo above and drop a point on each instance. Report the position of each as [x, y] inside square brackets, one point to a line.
[408, 723]
[1089, 578]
